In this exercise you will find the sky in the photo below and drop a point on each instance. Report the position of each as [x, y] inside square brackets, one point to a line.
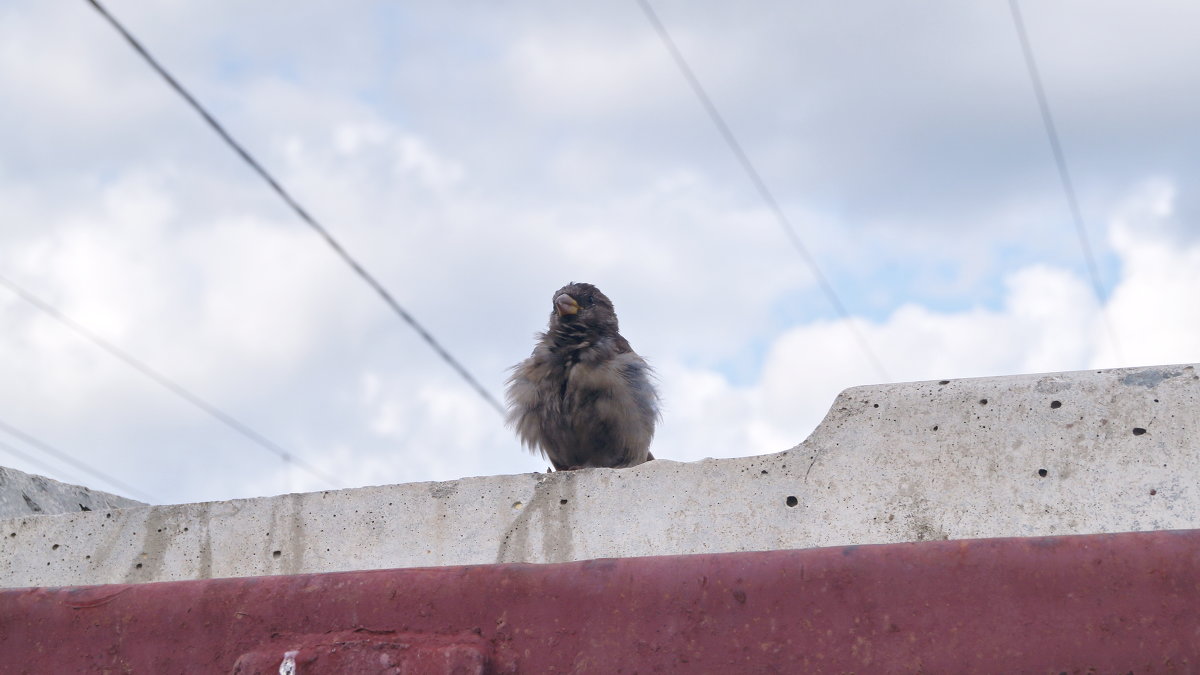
[477, 156]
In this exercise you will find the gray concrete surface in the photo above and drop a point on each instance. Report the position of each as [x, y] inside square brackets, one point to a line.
[1082, 452]
[24, 494]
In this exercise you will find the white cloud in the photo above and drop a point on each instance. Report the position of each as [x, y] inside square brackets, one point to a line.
[590, 74]
[532, 145]
[1049, 322]
[1155, 308]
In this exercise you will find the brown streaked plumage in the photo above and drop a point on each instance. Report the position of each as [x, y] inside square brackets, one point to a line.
[584, 398]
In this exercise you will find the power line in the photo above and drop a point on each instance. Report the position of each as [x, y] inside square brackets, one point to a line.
[301, 212]
[63, 456]
[164, 381]
[1064, 175]
[761, 185]
[49, 470]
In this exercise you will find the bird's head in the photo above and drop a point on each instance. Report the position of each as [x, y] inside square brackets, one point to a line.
[583, 306]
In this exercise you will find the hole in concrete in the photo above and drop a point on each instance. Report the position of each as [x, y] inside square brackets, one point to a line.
[1056, 404]
[1138, 431]
[108, 515]
[562, 501]
[139, 566]
[276, 554]
[1156, 400]
[935, 427]
[983, 401]
[1153, 492]
[891, 517]
[517, 505]
[792, 501]
[54, 547]
[876, 405]
[185, 529]
[13, 534]
[763, 472]
[1042, 472]
[944, 382]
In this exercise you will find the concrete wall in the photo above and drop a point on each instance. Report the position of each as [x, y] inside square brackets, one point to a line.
[24, 494]
[1083, 452]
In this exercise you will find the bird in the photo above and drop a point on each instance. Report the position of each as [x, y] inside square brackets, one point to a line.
[584, 398]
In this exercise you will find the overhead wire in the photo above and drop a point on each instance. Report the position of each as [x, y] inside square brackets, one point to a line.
[33, 460]
[761, 186]
[69, 459]
[1064, 174]
[165, 382]
[303, 214]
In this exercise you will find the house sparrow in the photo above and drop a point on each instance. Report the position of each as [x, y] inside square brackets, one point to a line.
[584, 397]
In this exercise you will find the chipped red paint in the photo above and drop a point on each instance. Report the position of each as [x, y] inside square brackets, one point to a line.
[1097, 603]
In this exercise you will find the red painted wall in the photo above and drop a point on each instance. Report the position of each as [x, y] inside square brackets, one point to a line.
[1099, 603]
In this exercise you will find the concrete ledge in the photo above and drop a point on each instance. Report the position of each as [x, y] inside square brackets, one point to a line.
[24, 494]
[1093, 604]
[1030, 455]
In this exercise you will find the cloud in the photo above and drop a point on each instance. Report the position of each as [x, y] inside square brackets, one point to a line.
[1045, 325]
[587, 74]
[1155, 308]
[1049, 321]
[477, 159]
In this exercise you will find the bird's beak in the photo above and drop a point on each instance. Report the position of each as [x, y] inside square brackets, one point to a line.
[565, 304]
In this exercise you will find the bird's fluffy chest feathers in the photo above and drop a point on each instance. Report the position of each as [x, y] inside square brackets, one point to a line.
[586, 404]
[599, 414]
[588, 378]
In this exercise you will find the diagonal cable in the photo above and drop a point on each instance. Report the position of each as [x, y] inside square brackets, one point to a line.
[164, 381]
[1061, 162]
[303, 214]
[65, 457]
[45, 467]
[759, 184]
